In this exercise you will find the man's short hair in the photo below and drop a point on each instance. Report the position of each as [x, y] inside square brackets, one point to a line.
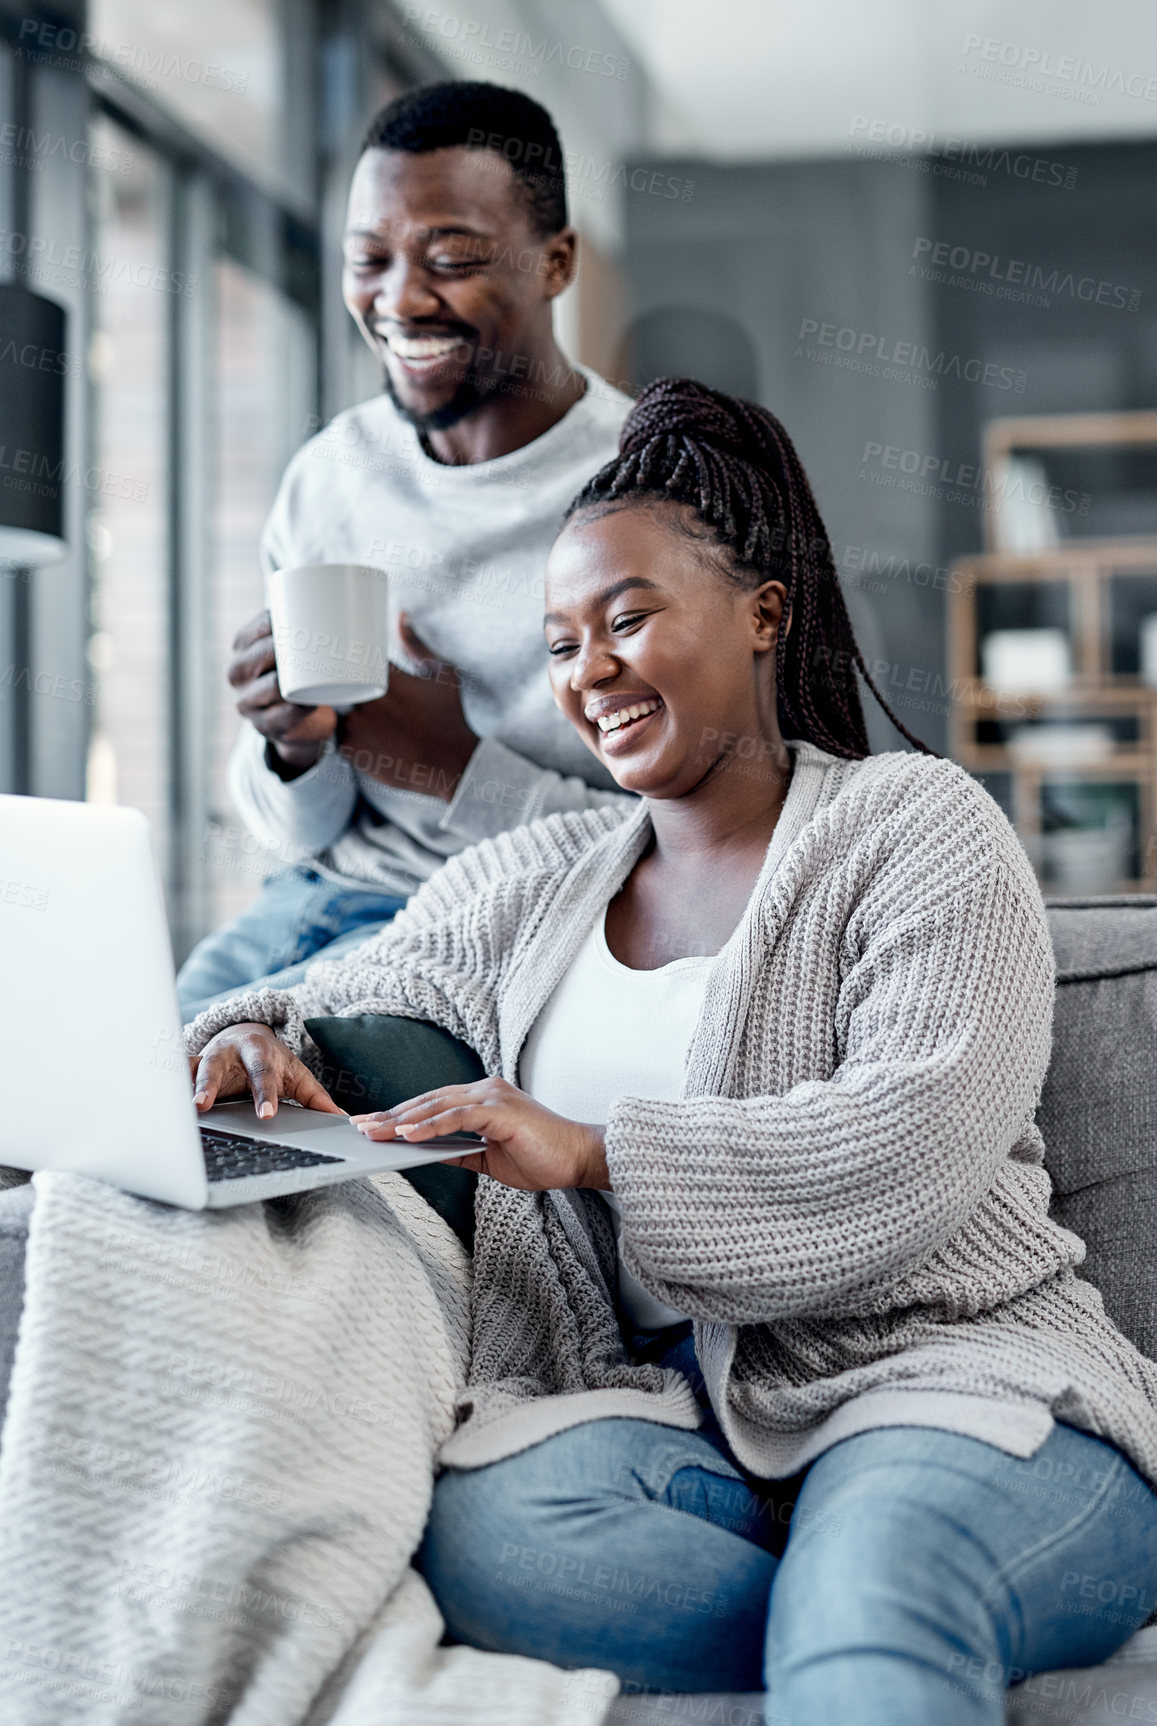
[482, 117]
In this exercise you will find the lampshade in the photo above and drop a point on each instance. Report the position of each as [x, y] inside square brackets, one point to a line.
[33, 365]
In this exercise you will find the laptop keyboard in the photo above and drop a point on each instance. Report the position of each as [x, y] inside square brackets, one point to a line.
[229, 1156]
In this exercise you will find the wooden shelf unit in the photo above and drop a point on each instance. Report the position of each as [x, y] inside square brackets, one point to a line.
[1002, 438]
[1095, 691]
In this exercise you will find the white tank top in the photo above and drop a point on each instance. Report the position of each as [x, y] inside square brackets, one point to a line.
[608, 1031]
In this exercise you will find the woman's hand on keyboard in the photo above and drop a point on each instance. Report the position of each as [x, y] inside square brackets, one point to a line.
[527, 1146]
[250, 1058]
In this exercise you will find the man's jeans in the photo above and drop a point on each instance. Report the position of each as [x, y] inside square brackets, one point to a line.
[299, 916]
[908, 1576]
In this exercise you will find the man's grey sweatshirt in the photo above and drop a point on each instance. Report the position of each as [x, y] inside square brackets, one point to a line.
[465, 549]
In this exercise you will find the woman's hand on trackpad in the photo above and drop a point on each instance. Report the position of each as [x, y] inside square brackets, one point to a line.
[249, 1059]
[526, 1145]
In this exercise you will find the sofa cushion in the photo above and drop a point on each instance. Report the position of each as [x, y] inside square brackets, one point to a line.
[377, 1060]
[1098, 1110]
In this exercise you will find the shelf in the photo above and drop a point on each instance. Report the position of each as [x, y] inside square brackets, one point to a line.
[992, 758]
[1088, 823]
[1060, 479]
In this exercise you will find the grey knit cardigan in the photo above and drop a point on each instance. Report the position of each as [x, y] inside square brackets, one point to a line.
[849, 1197]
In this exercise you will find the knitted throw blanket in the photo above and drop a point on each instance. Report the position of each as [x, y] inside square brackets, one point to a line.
[216, 1464]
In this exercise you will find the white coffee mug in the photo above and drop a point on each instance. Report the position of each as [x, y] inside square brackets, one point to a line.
[331, 626]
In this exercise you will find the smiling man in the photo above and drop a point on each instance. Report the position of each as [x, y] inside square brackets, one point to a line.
[453, 480]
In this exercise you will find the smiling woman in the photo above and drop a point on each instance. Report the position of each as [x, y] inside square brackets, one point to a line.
[748, 511]
[704, 531]
[762, 1234]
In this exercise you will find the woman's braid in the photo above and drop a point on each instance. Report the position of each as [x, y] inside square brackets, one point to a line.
[733, 463]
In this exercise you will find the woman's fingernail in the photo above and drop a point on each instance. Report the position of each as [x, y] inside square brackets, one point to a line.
[264, 1111]
[200, 1097]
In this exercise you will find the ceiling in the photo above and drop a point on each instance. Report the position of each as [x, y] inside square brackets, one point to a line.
[742, 79]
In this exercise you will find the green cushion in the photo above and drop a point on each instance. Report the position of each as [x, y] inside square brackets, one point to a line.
[377, 1060]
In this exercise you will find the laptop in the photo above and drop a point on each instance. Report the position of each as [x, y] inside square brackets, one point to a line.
[96, 1079]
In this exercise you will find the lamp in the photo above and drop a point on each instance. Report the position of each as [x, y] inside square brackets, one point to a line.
[33, 365]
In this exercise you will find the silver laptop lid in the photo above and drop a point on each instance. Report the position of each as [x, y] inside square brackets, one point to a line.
[95, 1076]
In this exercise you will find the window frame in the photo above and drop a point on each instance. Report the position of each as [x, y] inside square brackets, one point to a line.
[335, 58]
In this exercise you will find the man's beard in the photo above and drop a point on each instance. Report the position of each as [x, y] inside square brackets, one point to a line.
[468, 397]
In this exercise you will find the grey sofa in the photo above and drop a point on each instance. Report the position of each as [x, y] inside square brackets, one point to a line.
[1098, 1115]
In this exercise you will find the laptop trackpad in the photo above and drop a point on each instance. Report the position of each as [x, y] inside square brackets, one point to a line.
[313, 1130]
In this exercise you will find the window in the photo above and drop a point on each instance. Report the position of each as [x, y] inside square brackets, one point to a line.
[203, 372]
[127, 484]
[218, 65]
[181, 230]
[264, 396]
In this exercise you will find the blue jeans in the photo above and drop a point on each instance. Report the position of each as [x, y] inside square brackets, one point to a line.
[908, 1576]
[299, 916]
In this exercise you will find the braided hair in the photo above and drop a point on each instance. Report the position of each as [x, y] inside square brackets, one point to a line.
[733, 463]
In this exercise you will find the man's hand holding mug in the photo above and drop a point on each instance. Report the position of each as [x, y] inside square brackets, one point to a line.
[320, 648]
[295, 734]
